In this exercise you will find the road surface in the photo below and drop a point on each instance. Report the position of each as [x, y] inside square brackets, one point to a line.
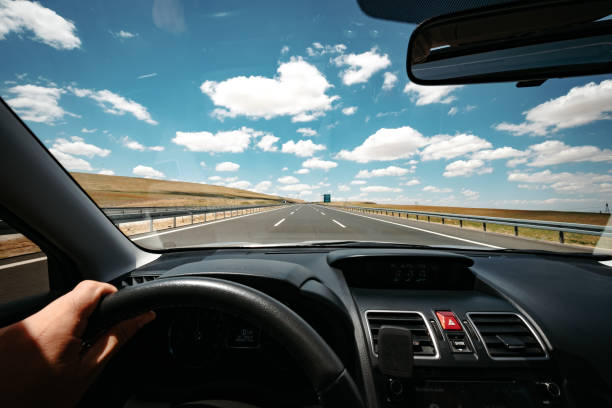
[310, 222]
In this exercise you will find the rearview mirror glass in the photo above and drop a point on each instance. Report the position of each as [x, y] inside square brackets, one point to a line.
[521, 42]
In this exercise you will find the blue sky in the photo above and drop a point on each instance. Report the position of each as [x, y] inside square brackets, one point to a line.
[294, 100]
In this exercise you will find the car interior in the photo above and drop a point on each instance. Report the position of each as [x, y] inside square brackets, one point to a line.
[341, 325]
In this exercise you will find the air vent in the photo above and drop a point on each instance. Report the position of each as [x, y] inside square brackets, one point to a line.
[422, 342]
[507, 336]
[135, 280]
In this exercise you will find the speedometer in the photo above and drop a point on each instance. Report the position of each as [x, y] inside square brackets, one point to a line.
[195, 337]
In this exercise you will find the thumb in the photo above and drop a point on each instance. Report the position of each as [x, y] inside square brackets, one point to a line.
[111, 341]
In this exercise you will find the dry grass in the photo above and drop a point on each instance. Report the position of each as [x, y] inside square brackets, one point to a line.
[118, 191]
[546, 235]
[16, 245]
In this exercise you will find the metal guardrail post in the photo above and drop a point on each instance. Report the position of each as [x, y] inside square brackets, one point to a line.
[460, 223]
[484, 226]
[515, 231]
[561, 237]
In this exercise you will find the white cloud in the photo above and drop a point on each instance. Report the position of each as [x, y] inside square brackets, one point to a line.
[568, 183]
[288, 180]
[434, 189]
[215, 178]
[380, 189]
[36, 103]
[297, 187]
[449, 147]
[412, 182]
[227, 166]
[388, 171]
[516, 162]
[580, 106]
[147, 172]
[505, 152]
[151, 75]
[116, 104]
[362, 66]
[452, 111]
[70, 162]
[307, 132]
[124, 34]
[358, 182]
[285, 168]
[390, 81]
[297, 91]
[303, 148]
[47, 26]
[106, 172]
[302, 171]
[134, 145]
[349, 110]
[386, 144]
[241, 184]
[554, 152]
[262, 186]
[85, 130]
[232, 141]
[203, 164]
[466, 168]
[77, 146]
[284, 50]
[343, 187]
[319, 49]
[426, 95]
[470, 194]
[316, 163]
[267, 143]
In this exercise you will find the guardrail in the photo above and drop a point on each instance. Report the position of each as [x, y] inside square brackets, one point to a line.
[124, 215]
[560, 227]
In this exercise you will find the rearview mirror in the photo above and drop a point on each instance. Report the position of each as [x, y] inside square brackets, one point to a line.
[527, 42]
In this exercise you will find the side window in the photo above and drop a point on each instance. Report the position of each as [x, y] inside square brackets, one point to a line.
[23, 266]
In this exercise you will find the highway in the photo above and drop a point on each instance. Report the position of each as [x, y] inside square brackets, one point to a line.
[310, 222]
[26, 275]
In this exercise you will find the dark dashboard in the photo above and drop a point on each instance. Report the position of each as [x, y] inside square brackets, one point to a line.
[472, 328]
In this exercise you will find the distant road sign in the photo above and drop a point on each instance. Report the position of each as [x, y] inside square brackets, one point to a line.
[327, 198]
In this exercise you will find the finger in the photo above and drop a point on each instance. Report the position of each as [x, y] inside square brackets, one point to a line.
[86, 295]
[110, 342]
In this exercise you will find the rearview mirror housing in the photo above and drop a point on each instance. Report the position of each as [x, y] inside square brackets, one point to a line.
[519, 41]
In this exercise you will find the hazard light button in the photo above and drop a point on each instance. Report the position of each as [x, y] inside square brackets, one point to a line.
[448, 321]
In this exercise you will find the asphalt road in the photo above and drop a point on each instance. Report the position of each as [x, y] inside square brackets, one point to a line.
[309, 222]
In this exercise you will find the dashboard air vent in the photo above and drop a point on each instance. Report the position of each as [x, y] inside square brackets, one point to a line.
[135, 280]
[422, 342]
[507, 335]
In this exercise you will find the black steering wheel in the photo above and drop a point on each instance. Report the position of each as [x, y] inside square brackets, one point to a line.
[332, 383]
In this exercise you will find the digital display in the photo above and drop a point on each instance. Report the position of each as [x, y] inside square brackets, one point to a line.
[243, 336]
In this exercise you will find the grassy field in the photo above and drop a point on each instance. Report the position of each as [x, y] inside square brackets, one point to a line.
[559, 216]
[118, 191]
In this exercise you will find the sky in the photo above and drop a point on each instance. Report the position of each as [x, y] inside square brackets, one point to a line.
[296, 100]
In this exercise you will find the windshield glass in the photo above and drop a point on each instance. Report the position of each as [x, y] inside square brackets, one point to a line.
[248, 123]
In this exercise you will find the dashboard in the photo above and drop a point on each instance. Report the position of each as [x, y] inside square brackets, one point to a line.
[415, 328]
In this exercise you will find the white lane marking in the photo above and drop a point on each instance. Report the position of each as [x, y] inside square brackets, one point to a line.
[322, 213]
[279, 223]
[27, 261]
[423, 230]
[203, 224]
[291, 213]
[339, 223]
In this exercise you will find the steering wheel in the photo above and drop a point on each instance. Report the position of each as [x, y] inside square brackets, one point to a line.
[325, 371]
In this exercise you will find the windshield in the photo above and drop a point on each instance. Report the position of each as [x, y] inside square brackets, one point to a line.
[247, 123]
